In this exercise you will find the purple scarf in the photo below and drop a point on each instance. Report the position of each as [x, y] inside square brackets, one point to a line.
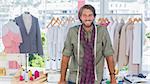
[87, 69]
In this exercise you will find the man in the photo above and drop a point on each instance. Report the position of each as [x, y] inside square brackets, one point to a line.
[87, 45]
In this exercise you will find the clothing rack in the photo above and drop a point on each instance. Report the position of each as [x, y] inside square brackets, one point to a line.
[122, 14]
[58, 17]
[105, 15]
[132, 14]
[63, 14]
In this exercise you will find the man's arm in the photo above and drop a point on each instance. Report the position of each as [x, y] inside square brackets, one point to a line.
[111, 67]
[64, 65]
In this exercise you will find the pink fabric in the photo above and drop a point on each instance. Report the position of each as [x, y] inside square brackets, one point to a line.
[36, 74]
[13, 65]
[11, 42]
[104, 24]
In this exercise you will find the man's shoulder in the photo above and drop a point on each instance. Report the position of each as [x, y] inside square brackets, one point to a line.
[74, 28]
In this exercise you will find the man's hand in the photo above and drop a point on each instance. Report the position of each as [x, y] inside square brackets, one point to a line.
[113, 79]
[111, 68]
[64, 65]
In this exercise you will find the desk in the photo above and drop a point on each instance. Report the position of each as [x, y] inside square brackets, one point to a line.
[40, 80]
[136, 80]
[53, 79]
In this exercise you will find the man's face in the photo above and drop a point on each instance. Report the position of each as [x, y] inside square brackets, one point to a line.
[87, 17]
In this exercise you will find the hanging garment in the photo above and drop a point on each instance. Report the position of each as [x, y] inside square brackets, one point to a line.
[132, 68]
[1, 45]
[110, 25]
[129, 40]
[55, 48]
[53, 64]
[137, 43]
[50, 35]
[60, 44]
[67, 27]
[56, 36]
[122, 58]
[52, 40]
[113, 28]
[31, 41]
[117, 39]
[11, 37]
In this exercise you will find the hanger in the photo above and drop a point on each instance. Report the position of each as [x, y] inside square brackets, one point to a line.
[26, 12]
[12, 20]
[57, 21]
[66, 20]
[140, 19]
[103, 20]
[53, 19]
[111, 19]
[106, 20]
[62, 21]
[124, 17]
[130, 20]
[99, 20]
[135, 20]
[122, 20]
[72, 19]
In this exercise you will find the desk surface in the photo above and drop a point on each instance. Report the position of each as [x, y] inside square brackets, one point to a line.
[137, 80]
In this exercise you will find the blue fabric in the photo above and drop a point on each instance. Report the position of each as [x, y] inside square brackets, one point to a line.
[69, 82]
[32, 42]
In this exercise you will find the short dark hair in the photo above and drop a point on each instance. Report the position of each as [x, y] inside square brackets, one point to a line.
[88, 6]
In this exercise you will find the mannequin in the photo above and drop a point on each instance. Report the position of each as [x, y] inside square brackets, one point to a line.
[30, 32]
[11, 37]
[27, 18]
